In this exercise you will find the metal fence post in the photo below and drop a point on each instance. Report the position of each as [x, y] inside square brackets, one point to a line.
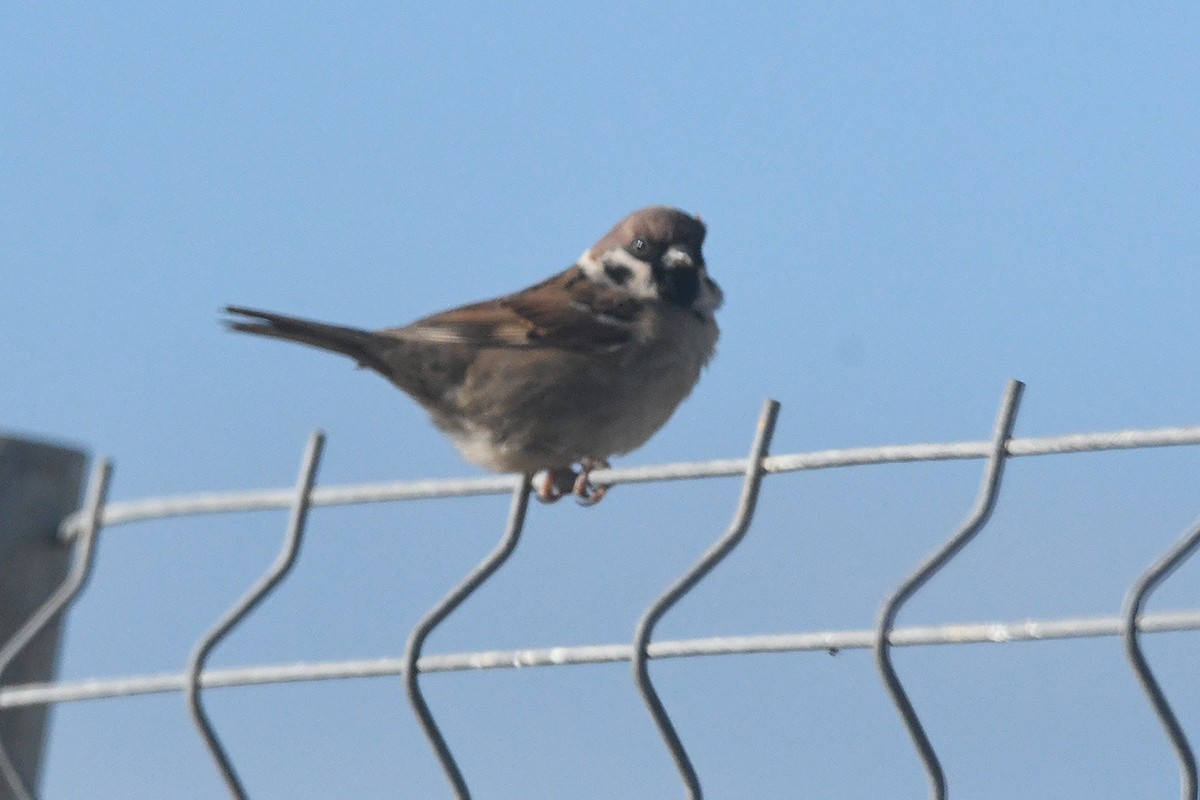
[40, 485]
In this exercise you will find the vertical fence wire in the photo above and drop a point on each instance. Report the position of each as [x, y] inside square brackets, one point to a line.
[984, 505]
[60, 598]
[715, 554]
[416, 640]
[275, 574]
[1135, 601]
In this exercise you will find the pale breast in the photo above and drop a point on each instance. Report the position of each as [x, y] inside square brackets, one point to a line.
[660, 374]
[523, 410]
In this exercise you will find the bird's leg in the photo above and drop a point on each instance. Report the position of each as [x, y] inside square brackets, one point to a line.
[556, 484]
[585, 493]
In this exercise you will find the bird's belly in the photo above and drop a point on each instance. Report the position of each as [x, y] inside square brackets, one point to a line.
[549, 409]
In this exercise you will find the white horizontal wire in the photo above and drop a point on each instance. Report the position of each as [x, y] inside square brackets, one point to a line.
[832, 641]
[224, 502]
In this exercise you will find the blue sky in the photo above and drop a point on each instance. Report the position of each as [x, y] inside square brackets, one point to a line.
[907, 205]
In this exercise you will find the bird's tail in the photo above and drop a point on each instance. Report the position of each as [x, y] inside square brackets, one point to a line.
[358, 344]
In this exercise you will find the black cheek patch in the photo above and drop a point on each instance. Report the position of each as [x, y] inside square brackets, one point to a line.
[618, 273]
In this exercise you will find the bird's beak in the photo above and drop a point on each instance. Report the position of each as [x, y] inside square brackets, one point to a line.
[678, 257]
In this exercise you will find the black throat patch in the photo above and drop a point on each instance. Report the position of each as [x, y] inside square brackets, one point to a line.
[679, 286]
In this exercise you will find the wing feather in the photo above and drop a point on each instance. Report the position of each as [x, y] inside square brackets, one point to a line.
[568, 311]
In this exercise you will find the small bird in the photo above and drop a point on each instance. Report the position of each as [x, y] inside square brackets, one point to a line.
[587, 364]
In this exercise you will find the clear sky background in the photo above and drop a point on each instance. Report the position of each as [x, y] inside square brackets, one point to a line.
[907, 206]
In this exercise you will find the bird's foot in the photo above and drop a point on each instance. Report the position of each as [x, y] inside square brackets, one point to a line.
[556, 484]
[585, 493]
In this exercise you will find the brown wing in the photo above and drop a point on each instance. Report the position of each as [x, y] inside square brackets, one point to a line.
[568, 311]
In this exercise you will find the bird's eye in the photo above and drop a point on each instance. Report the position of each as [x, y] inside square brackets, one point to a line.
[639, 245]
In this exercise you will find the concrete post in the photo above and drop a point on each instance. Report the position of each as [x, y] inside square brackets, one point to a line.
[40, 484]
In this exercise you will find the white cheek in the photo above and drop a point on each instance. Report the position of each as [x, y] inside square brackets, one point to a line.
[641, 278]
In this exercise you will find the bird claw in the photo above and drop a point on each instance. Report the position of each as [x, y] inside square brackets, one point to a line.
[558, 483]
[585, 493]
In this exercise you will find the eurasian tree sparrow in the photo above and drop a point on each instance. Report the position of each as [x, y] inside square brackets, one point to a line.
[584, 365]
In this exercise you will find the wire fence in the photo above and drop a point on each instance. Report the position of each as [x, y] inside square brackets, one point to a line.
[83, 528]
